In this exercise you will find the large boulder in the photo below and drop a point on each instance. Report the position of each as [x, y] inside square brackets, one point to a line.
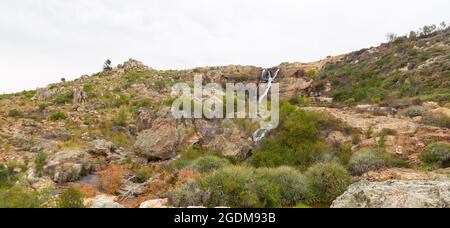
[101, 147]
[103, 201]
[396, 194]
[164, 139]
[224, 137]
[68, 166]
[156, 203]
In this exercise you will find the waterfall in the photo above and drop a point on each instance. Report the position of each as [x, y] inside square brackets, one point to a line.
[270, 80]
[262, 132]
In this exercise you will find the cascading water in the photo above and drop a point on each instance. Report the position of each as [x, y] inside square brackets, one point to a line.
[266, 75]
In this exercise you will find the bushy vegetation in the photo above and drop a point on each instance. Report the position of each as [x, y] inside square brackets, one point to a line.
[208, 164]
[70, 198]
[197, 155]
[40, 161]
[121, 119]
[5, 176]
[57, 116]
[414, 111]
[437, 120]
[363, 162]
[44, 105]
[327, 181]
[436, 155]
[20, 196]
[402, 71]
[14, 113]
[239, 186]
[300, 101]
[144, 173]
[64, 98]
[121, 100]
[297, 140]
[293, 186]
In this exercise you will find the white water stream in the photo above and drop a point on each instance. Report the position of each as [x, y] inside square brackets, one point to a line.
[262, 132]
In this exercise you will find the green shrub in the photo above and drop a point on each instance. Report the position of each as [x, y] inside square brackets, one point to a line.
[292, 183]
[436, 155]
[22, 197]
[40, 161]
[190, 194]
[28, 94]
[244, 187]
[121, 119]
[327, 181]
[14, 113]
[363, 162]
[44, 105]
[71, 198]
[414, 111]
[188, 156]
[57, 116]
[300, 101]
[296, 142]
[64, 98]
[142, 103]
[88, 88]
[437, 120]
[121, 100]
[208, 164]
[238, 187]
[4, 176]
[144, 173]
[311, 73]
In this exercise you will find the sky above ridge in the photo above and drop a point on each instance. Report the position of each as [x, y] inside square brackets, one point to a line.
[42, 41]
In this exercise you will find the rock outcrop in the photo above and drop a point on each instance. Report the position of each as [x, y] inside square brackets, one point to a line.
[157, 203]
[102, 201]
[396, 194]
[68, 166]
[163, 139]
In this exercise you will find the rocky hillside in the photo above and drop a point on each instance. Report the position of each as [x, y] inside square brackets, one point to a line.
[109, 140]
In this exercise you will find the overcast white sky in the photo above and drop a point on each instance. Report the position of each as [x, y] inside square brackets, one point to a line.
[44, 40]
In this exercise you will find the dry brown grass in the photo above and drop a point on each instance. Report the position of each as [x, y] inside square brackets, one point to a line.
[111, 178]
[87, 190]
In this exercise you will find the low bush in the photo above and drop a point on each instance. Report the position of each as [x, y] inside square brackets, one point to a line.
[239, 187]
[71, 198]
[144, 173]
[327, 181]
[40, 161]
[121, 119]
[189, 194]
[437, 120]
[5, 176]
[64, 98]
[436, 155]
[363, 162]
[300, 101]
[293, 187]
[374, 159]
[14, 113]
[22, 197]
[208, 164]
[44, 105]
[57, 116]
[414, 111]
[244, 187]
[121, 100]
[297, 141]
